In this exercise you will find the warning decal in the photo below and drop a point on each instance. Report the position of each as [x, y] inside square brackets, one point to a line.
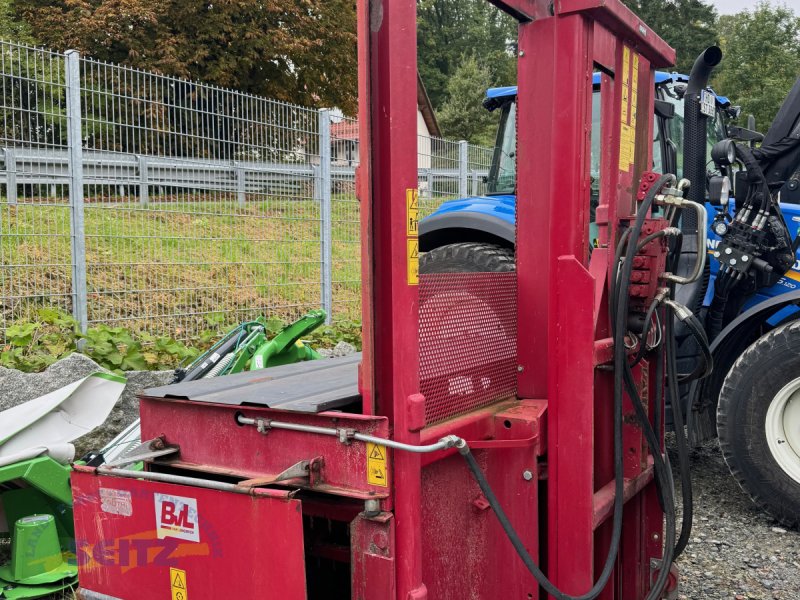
[630, 100]
[177, 580]
[412, 213]
[377, 472]
[412, 253]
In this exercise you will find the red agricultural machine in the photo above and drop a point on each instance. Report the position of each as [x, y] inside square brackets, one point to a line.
[501, 436]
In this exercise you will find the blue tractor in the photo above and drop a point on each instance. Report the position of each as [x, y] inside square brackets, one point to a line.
[748, 299]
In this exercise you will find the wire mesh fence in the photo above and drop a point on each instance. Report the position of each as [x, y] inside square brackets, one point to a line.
[170, 206]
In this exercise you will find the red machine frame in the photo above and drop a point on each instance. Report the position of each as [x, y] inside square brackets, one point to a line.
[417, 525]
[564, 340]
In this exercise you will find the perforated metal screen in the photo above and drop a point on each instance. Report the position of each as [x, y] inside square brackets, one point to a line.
[468, 345]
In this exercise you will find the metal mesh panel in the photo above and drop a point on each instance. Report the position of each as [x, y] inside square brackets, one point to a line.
[468, 345]
[35, 213]
[201, 204]
[345, 220]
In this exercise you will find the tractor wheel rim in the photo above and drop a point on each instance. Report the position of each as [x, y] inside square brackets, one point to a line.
[783, 429]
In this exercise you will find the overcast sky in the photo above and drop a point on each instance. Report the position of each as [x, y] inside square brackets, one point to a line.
[729, 7]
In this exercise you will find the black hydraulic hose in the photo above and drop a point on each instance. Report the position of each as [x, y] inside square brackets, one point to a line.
[705, 368]
[687, 497]
[664, 485]
[645, 331]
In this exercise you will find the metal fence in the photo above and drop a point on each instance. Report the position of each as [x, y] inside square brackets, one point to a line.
[160, 204]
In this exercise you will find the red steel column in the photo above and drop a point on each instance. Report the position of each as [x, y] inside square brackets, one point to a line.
[390, 368]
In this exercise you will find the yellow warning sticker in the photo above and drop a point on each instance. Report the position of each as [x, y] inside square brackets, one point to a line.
[177, 580]
[412, 213]
[377, 473]
[630, 99]
[412, 253]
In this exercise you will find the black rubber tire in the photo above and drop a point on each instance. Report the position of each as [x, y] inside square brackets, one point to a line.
[468, 257]
[751, 385]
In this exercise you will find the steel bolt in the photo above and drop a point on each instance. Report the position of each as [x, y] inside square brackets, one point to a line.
[716, 254]
[745, 258]
[527, 475]
[728, 251]
[372, 507]
[733, 261]
[520, 368]
[522, 52]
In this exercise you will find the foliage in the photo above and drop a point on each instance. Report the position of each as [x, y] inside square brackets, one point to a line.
[12, 28]
[762, 59]
[34, 344]
[299, 51]
[449, 30]
[689, 26]
[327, 336]
[462, 115]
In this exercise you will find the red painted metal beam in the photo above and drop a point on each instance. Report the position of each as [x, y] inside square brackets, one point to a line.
[390, 371]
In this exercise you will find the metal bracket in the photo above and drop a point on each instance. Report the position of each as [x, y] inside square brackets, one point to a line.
[304, 469]
[148, 450]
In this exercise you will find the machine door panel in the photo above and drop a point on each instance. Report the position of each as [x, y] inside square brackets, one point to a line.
[141, 539]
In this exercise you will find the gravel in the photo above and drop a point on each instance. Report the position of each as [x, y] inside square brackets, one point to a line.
[17, 387]
[736, 551]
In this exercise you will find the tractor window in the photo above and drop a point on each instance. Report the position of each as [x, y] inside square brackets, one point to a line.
[503, 173]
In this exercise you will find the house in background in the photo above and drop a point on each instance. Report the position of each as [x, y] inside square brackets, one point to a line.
[344, 134]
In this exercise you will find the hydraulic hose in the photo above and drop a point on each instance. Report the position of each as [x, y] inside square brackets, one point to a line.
[687, 498]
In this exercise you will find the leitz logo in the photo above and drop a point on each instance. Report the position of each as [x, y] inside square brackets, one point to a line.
[176, 517]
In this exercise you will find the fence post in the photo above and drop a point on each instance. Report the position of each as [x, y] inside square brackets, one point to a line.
[326, 228]
[11, 176]
[474, 183]
[72, 65]
[463, 168]
[144, 190]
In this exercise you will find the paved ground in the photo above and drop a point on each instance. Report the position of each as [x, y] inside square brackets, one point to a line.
[737, 552]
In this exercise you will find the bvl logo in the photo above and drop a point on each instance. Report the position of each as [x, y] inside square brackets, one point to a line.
[176, 517]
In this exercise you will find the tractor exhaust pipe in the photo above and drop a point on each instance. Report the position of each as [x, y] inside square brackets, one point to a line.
[694, 169]
[694, 130]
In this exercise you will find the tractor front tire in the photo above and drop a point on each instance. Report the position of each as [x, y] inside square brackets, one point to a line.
[467, 257]
[758, 421]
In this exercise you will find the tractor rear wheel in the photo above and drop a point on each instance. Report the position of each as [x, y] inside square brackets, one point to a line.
[467, 257]
[758, 420]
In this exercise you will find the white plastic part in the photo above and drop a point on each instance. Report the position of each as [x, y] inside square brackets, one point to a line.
[55, 419]
[782, 428]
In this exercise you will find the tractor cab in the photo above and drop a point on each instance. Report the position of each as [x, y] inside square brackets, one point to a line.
[667, 143]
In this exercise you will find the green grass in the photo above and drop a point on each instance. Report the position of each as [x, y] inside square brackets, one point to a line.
[181, 262]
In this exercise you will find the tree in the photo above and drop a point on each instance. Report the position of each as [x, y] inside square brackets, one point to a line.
[762, 59]
[689, 26]
[449, 30]
[462, 115]
[13, 29]
[301, 51]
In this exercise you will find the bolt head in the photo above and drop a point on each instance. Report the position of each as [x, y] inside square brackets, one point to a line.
[745, 258]
[527, 475]
[728, 251]
[716, 254]
[733, 261]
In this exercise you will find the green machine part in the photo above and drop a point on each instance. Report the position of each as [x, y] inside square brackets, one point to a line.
[37, 504]
[286, 346]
